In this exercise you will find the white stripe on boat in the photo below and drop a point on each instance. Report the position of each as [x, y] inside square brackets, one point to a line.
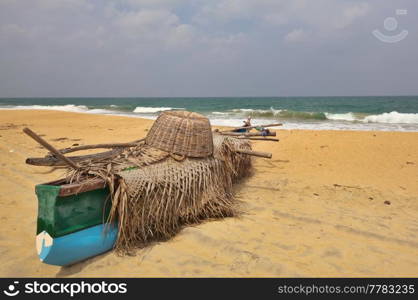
[43, 239]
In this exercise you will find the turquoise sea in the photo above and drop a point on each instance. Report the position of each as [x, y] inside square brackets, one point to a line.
[390, 113]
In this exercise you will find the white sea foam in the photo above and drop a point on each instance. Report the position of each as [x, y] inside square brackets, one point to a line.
[323, 125]
[393, 121]
[68, 107]
[219, 113]
[243, 110]
[341, 117]
[250, 110]
[101, 111]
[393, 118]
[147, 110]
[257, 112]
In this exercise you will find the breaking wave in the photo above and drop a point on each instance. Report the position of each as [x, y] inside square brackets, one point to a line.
[233, 117]
[393, 118]
[390, 118]
[68, 107]
[148, 110]
[342, 117]
[279, 113]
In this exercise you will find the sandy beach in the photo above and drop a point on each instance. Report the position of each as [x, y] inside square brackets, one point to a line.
[329, 203]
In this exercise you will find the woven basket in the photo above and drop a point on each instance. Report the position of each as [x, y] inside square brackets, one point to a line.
[183, 133]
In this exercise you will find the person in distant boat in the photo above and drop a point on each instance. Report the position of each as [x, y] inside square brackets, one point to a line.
[264, 131]
[247, 123]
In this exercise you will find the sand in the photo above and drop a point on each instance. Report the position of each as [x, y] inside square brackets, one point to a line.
[329, 203]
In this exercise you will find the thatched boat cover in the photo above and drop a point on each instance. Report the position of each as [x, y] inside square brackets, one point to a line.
[155, 202]
[182, 174]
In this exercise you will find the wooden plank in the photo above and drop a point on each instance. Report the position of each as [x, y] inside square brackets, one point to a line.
[254, 126]
[103, 146]
[52, 161]
[68, 189]
[85, 186]
[247, 133]
[49, 147]
[258, 139]
[254, 153]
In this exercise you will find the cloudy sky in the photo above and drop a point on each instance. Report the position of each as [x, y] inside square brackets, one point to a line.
[134, 48]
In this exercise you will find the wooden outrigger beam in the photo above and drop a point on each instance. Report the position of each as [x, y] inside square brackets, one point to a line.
[49, 147]
[254, 153]
[103, 146]
[247, 133]
[255, 126]
[257, 139]
[52, 161]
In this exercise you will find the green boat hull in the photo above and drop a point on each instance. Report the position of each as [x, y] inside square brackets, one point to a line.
[71, 221]
[60, 214]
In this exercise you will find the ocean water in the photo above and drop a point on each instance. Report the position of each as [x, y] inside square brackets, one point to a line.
[395, 113]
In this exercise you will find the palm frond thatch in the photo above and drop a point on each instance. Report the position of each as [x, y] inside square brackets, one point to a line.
[154, 194]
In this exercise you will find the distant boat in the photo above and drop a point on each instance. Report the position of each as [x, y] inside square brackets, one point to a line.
[72, 221]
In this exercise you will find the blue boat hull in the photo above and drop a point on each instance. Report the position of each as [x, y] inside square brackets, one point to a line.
[76, 246]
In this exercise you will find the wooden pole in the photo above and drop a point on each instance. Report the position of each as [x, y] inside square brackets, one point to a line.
[52, 161]
[98, 146]
[50, 148]
[247, 133]
[251, 127]
[254, 153]
[257, 139]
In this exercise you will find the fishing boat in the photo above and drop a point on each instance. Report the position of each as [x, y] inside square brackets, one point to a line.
[181, 173]
[71, 224]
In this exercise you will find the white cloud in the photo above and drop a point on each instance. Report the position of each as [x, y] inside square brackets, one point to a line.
[326, 16]
[151, 3]
[276, 19]
[351, 13]
[321, 15]
[12, 30]
[296, 35]
[84, 47]
[73, 5]
[147, 21]
[156, 29]
[181, 36]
